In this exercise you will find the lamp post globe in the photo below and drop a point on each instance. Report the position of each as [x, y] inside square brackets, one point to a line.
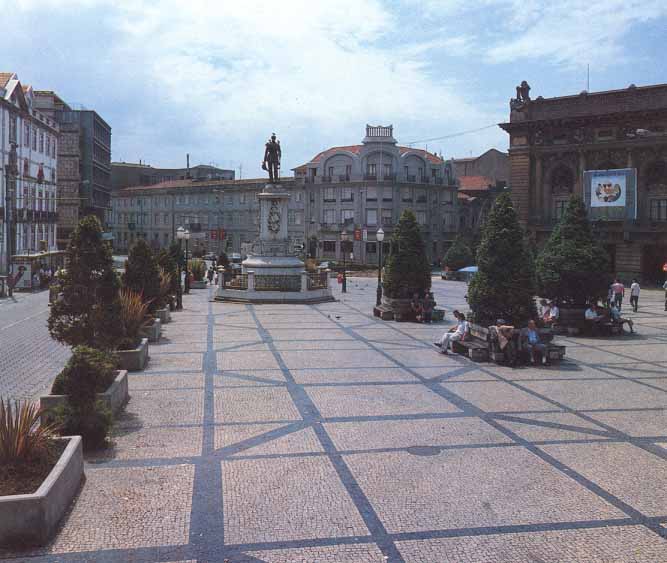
[343, 248]
[379, 236]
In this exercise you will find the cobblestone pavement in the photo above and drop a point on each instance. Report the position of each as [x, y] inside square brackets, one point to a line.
[29, 358]
[320, 434]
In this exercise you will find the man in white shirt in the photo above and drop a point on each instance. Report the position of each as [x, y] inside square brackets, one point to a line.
[634, 295]
[457, 333]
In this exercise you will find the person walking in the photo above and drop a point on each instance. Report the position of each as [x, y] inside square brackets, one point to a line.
[210, 275]
[634, 294]
[457, 333]
[619, 292]
[664, 286]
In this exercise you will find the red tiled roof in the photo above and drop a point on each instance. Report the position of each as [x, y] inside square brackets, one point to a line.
[476, 183]
[356, 149]
[5, 77]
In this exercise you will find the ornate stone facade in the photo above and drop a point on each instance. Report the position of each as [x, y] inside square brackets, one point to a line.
[554, 140]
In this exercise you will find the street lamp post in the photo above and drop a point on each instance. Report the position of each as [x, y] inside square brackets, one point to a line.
[186, 236]
[11, 171]
[379, 236]
[179, 292]
[343, 245]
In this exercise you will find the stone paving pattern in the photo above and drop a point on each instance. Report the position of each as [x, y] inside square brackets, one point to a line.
[287, 434]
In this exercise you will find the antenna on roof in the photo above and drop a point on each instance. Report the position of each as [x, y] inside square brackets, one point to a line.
[240, 171]
[187, 166]
[588, 77]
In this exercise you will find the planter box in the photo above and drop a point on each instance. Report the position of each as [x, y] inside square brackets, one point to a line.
[32, 519]
[114, 397]
[134, 360]
[153, 331]
[198, 284]
[164, 315]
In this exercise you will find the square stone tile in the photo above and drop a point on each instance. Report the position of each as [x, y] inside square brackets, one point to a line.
[326, 359]
[261, 404]
[600, 355]
[249, 377]
[236, 346]
[244, 360]
[129, 508]
[316, 333]
[422, 358]
[635, 423]
[172, 347]
[370, 435]
[359, 376]
[139, 382]
[271, 500]
[266, 439]
[636, 476]
[235, 334]
[603, 394]
[374, 400]
[497, 396]
[163, 407]
[150, 443]
[174, 362]
[354, 553]
[453, 372]
[553, 426]
[471, 488]
[618, 544]
[340, 346]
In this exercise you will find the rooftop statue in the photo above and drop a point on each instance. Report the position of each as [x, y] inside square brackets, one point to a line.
[271, 160]
[522, 96]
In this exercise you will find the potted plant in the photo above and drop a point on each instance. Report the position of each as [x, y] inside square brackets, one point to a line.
[504, 286]
[88, 366]
[572, 268]
[198, 269]
[132, 347]
[168, 261]
[87, 311]
[39, 475]
[166, 295]
[406, 271]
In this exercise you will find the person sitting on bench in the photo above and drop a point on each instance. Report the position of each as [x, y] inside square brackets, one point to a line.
[594, 318]
[428, 306]
[615, 314]
[417, 307]
[506, 341]
[458, 332]
[532, 343]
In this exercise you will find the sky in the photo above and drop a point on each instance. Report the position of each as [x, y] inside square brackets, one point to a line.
[216, 78]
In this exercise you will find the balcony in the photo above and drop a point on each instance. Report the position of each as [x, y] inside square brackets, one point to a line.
[343, 177]
[325, 179]
[410, 178]
[372, 177]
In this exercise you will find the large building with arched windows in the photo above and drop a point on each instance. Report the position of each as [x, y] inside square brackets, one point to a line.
[609, 148]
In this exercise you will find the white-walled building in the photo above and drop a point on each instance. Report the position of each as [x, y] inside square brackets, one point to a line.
[32, 193]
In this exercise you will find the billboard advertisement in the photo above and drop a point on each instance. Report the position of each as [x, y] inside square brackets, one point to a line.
[611, 194]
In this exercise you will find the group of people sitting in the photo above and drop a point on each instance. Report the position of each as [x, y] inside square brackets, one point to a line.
[598, 317]
[422, 307]
[549, 312]
[512, 343]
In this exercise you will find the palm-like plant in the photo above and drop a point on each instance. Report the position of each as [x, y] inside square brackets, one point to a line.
[22, 438]
[133, 315]
[198, 269]
[166, 284]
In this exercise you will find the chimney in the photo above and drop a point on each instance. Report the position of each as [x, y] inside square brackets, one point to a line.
[187, 169]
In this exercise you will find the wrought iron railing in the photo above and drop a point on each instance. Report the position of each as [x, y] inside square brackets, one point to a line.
[238, 282]
[278, 283]
[318, 280]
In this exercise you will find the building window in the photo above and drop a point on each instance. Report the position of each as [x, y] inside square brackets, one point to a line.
[447, 197]
[387, 194]
[53, 148]
[347, 216]
[26, 135]
[242, 198]
[421, 217]
[421, 196]
[34, 139]
[560, 205]
[48, 145]
[329, 246]
[41, 141]
[386, 217]
[329, 216]
[347, 195]
[311, 197]
[331, 171]
[298, 197]
[420, 173]
[156, 219]
[228, 200]
[371, 247]
[387, 171]
[329, 194]
[12, 129]
[658, 210]
[372, 170]
[371, 217]
[406, 195]
[348, 171]
[371, 194]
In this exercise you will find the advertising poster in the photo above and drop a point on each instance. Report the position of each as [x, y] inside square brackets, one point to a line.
[608, 190]
[611, 195]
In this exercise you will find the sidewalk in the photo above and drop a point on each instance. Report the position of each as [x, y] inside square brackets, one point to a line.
[284, 433]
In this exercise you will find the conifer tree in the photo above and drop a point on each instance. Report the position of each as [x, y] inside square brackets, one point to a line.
[407, 269]
[573, 267]
[88, 313]
[142, 274]
[458, 256]
[504, 285]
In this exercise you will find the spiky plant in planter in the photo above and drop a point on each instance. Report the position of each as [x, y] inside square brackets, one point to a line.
[573, 267]
[504, 285]
[407, 269]
[198, 269]
[88, 312]
[168, 261]
[142, 274]
[133, 318]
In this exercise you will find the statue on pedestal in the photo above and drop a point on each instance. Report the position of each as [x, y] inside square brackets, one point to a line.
[271, 160]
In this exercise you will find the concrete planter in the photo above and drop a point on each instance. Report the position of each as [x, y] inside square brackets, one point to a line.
[134, 360]
[33, 519]
[201, 284]
[114, 397]
[164, 315]
[153, 331]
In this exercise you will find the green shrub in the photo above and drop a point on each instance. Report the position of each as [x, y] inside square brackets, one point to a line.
[198, 269]
[407, 269]
[573, 268]
[92, 421]
[504, 285]
[458, 256]
[167, 260]
[87, 372]
[88, 313]
[142, 274]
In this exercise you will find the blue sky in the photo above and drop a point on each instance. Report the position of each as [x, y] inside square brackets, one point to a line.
[216, 78]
